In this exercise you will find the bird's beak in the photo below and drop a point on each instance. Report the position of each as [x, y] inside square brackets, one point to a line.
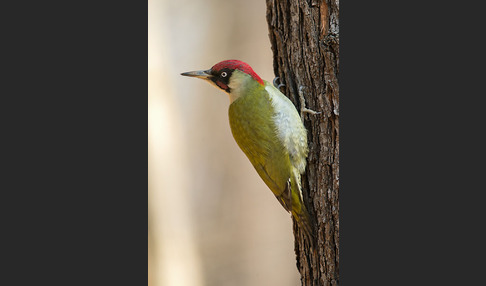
[199, 74]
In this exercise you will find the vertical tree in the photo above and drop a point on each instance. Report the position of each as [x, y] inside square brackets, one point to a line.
[305, 43]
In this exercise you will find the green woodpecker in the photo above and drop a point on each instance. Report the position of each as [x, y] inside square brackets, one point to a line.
[269, 130]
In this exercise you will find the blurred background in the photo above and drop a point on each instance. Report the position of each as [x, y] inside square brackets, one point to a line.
[211, 219]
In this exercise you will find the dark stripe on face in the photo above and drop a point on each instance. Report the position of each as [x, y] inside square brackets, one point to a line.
[221, 78]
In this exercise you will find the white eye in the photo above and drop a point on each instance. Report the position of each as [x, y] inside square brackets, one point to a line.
[224, 74]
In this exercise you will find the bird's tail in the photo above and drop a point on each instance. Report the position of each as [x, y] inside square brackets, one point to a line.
[299, 211]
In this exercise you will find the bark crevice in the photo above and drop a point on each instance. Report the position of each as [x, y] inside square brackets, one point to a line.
[304, 36]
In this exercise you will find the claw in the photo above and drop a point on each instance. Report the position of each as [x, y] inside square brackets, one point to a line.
[303, 109]
[278, 86]
[306, 110]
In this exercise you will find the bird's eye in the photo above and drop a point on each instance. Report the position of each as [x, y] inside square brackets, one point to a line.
[224, 74]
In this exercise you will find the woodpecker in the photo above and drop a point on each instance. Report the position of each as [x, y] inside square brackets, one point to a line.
[268, 129]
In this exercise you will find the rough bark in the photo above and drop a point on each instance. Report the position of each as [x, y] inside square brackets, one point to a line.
[305, 41]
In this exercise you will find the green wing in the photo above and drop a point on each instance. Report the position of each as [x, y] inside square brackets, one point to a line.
[255, 133]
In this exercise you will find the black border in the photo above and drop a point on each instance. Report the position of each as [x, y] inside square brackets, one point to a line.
[409, 136]
[77, 155]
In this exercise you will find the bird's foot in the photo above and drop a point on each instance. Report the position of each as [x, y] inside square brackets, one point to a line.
[303, 109]
[277, 85]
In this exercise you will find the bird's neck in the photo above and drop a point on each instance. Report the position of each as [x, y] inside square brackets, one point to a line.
[242, 84]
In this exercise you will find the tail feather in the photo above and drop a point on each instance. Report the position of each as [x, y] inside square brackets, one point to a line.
[292, 200]
[304, 221]
[299, 211]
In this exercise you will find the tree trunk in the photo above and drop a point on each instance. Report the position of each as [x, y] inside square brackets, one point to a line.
[305, 43]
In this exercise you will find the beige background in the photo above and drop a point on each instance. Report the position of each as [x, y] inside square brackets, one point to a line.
[211, 219]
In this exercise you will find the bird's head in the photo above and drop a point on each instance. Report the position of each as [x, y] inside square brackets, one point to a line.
[232, 76]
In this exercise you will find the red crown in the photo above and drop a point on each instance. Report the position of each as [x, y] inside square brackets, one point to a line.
[238, 65]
